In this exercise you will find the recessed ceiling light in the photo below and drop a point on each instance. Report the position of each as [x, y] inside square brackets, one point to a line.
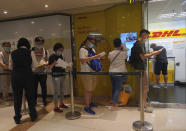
[5, 12]
[46, 6]
[32, 22]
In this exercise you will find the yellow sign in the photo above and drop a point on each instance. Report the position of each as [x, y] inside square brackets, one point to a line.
[172, 33]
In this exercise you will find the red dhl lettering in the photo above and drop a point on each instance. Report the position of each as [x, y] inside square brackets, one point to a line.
[165, 34]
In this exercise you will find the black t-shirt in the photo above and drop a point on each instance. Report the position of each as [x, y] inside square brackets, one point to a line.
[55, 69]
[162, 57]
[21, 60]
[139, 49]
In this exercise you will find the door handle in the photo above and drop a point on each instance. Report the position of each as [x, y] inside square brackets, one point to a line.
[178, 64]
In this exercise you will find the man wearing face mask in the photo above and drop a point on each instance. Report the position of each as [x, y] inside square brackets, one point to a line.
[138, 52]
[4, 60]
[41, 58]
[89, 81]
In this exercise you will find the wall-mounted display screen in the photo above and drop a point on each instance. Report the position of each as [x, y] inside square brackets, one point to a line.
[128, 40]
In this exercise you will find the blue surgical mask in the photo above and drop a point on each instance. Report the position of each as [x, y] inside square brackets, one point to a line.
[39, 46]
[91, 45]
[59, 53]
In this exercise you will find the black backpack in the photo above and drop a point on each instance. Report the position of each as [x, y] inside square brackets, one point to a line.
[133, 57]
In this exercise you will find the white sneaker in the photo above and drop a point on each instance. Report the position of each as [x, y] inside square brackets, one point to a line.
[156, 86]
[165, 86]
[148, 109]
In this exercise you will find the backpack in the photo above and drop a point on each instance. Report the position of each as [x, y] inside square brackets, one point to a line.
[133, 58]
[94, 64]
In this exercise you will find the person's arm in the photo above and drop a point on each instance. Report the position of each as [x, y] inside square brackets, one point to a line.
[2, 65]
[52, 63]
[84, 58]
[50, 66]
[145, 56]
[87, 59]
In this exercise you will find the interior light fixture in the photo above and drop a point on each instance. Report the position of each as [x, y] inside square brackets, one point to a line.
[5, 12]
[32, 22]
[156, 0]
[46, 6]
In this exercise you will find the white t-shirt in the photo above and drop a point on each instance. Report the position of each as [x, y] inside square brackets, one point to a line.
[83, 53]
[4, 58]
[118, 65]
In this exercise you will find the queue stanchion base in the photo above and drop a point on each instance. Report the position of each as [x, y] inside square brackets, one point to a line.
[73, 115]
[139, 126]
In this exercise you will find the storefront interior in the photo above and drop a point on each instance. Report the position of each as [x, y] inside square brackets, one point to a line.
[70, 22]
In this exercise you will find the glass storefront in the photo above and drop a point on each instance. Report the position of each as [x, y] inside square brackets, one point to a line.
[166, 21]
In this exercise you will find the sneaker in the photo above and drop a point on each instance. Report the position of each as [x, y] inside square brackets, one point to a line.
[148, 109]
[17, 119]
[63, 106]
[113, 108]
[34, 118]
[93, 105]
[156, 86]
[89, 110]
[165, 86]
[58, 110]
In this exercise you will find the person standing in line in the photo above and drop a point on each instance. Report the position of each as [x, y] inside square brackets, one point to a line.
[41, 56]
[89, 81]
[4, 60]
[117, 59]
[161, 64]
[22, 79]
[138, 60]
[57, 78]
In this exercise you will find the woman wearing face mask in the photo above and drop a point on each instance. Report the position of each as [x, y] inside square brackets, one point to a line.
[58, 79]
[117, 64]
[89, 81]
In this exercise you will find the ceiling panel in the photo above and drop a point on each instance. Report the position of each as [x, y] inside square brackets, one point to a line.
[23, 8]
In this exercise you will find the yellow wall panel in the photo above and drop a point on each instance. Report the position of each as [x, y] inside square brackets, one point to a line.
[111, 22]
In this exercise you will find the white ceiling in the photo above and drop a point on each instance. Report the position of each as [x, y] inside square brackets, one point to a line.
[166, 10]
[25, 8]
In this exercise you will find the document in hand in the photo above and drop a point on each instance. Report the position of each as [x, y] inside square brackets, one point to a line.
[62, 63]
[102, 54]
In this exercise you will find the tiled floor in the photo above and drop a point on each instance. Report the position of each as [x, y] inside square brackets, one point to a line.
[6, 121]
[172, 94]
[162, 119]
[107, 120]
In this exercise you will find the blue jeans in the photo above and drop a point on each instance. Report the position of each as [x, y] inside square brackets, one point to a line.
[117, 84]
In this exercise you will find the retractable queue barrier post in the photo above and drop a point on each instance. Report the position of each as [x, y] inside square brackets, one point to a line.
[142, 125]
[73, 114]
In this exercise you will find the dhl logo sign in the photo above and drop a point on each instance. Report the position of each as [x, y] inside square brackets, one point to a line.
[173, 33]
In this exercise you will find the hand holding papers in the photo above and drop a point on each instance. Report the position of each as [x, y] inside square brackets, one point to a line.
[102, 54]
[63, 64]
[42, 63]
